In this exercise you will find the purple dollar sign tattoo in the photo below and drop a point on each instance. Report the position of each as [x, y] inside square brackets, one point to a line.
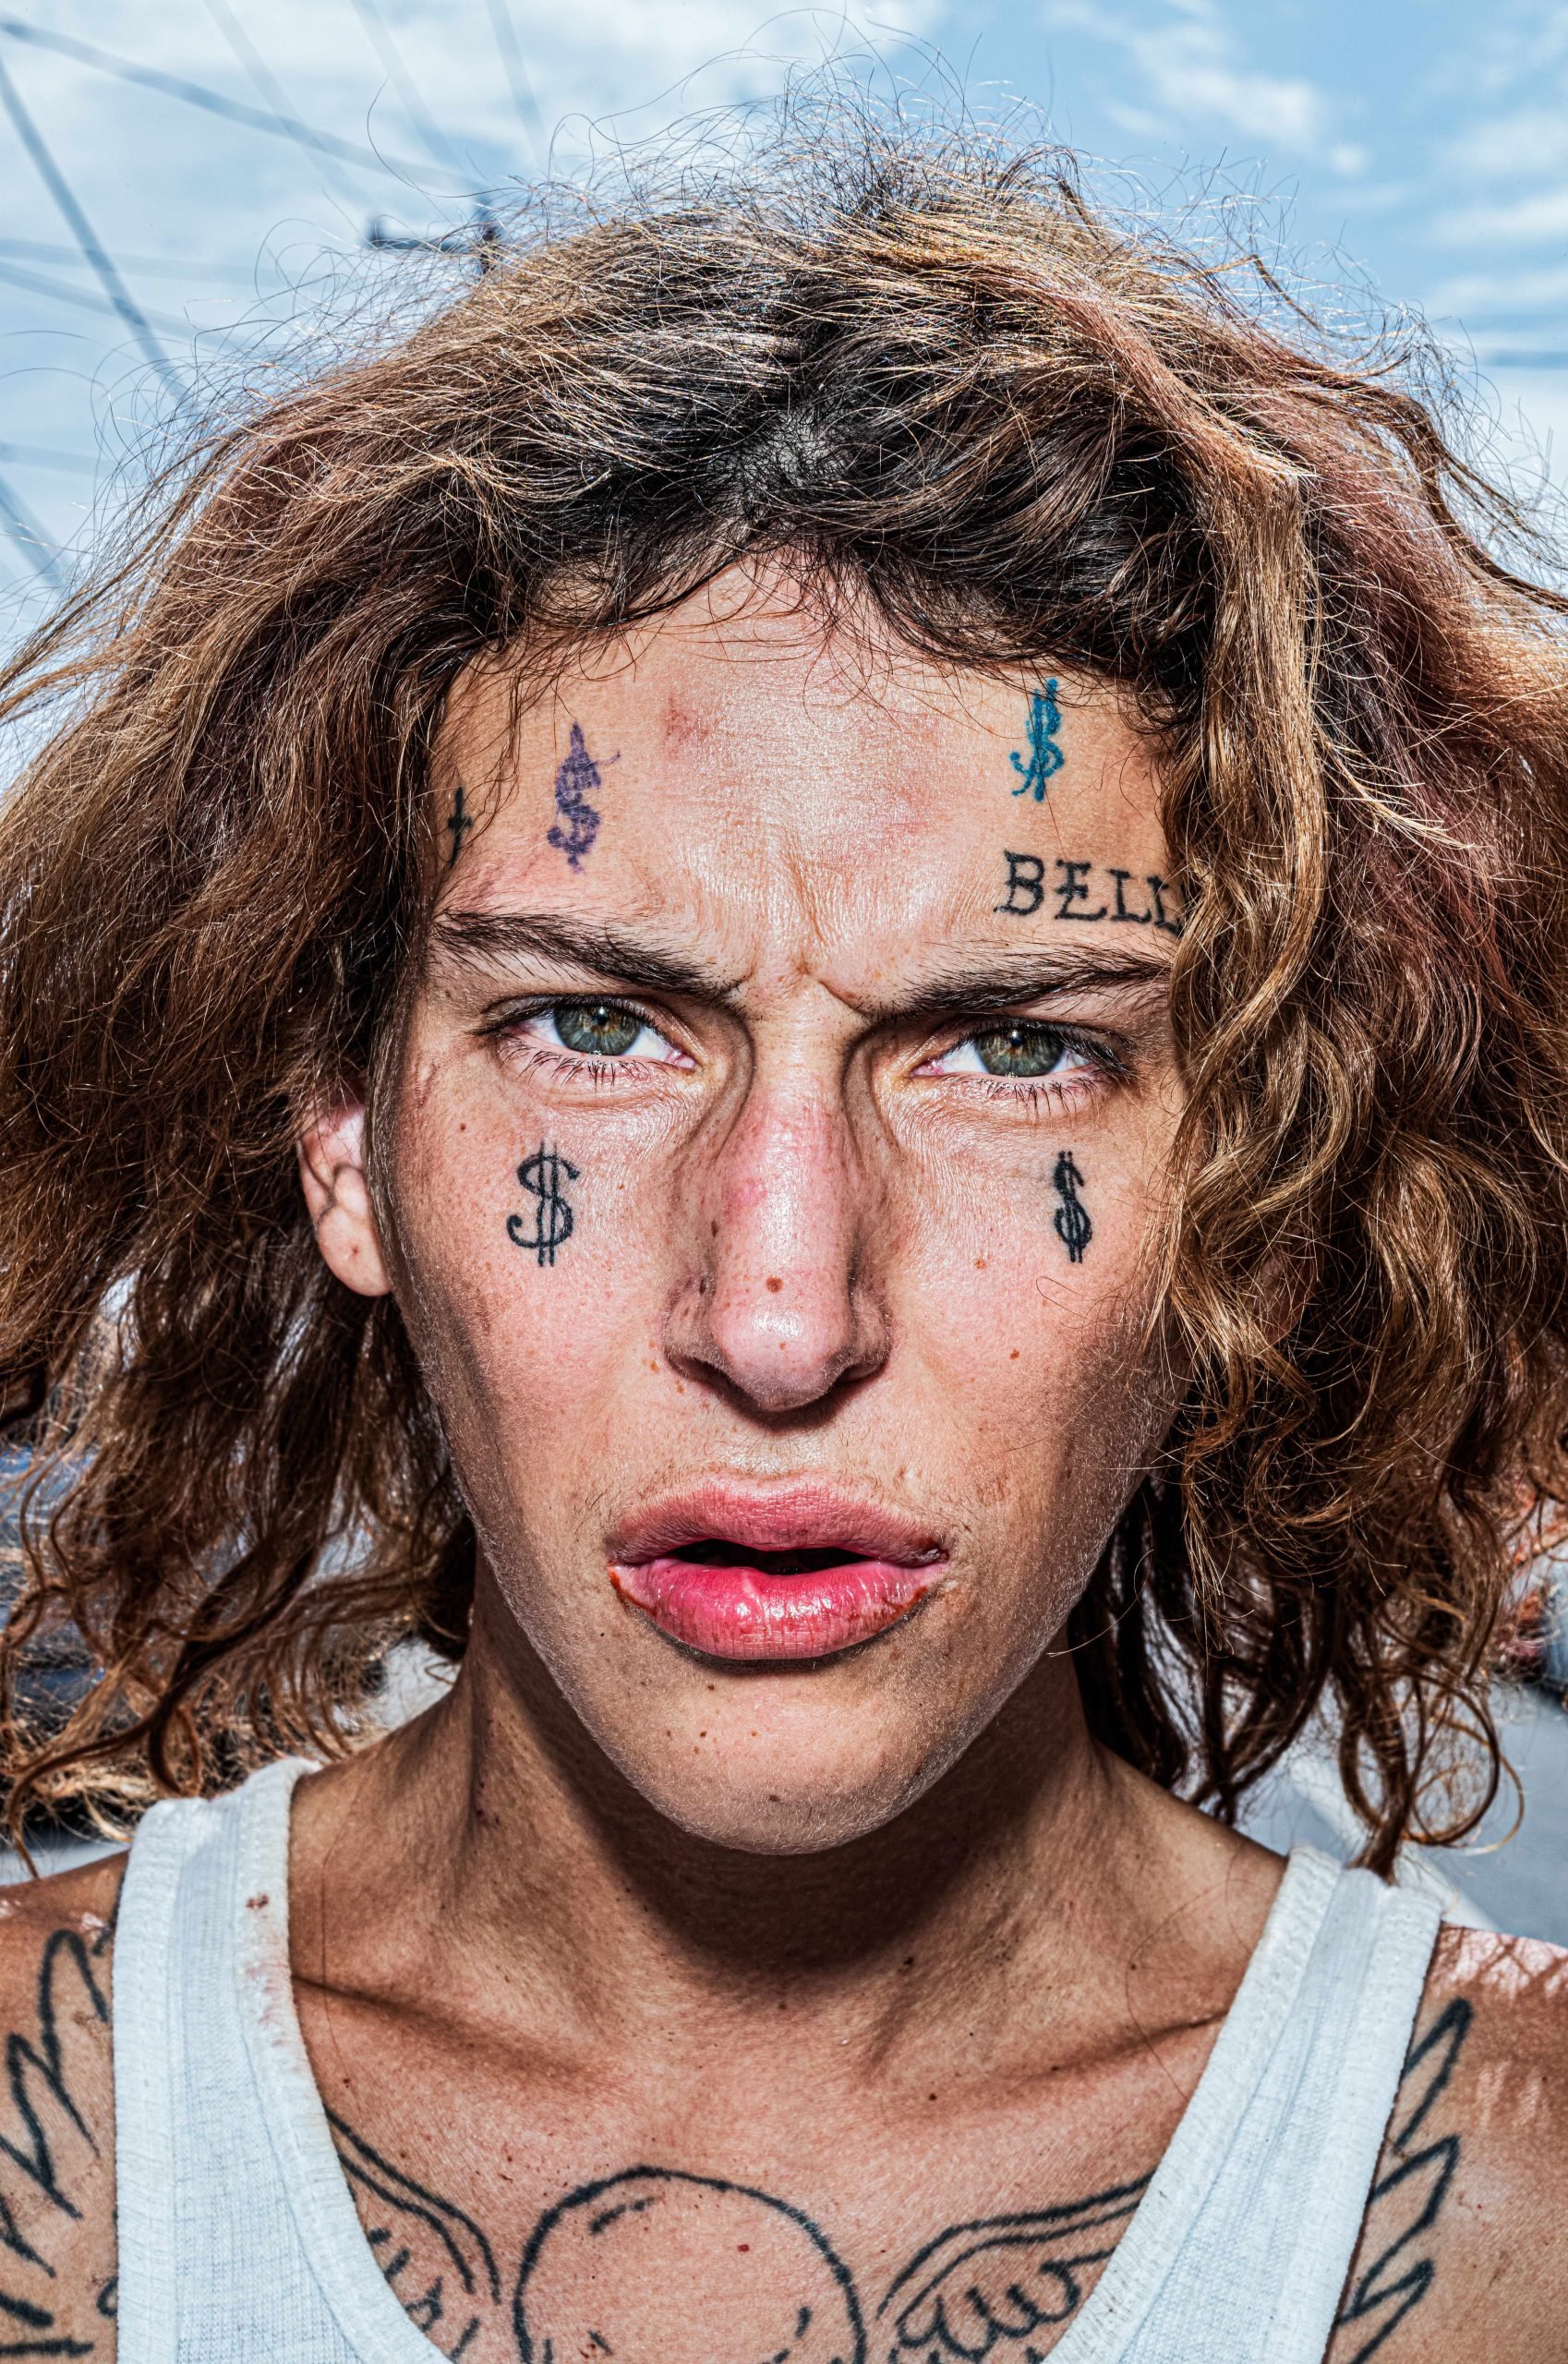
[575, 777]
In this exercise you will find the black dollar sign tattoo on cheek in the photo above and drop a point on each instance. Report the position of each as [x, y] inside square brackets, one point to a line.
[1073, 1227]
[553, 1224]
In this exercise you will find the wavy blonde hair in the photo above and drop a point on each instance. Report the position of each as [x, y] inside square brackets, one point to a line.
[932, 378]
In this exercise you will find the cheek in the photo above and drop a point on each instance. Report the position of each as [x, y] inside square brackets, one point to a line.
[528, 1264]
[1033, 1324]
[1031, 1276]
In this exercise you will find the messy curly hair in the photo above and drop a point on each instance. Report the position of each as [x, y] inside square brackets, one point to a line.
[945, 388]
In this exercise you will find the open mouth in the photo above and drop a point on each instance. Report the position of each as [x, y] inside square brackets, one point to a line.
[800, 1571]
[717, 1551]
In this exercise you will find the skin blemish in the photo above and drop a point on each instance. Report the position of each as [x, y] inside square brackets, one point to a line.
[774, 1285]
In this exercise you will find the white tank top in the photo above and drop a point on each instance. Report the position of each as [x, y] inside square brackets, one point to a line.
[240, 2244]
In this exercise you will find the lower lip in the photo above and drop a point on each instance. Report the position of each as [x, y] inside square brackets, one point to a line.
[746, 1613]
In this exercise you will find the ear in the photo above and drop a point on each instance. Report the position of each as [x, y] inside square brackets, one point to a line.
[332, 1170]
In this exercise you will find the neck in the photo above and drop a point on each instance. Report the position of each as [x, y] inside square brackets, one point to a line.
[496, 1854]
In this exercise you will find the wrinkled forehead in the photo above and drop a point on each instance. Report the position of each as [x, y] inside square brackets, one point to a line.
[790, 791]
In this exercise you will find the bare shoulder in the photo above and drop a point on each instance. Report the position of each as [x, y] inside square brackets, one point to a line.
[57, 2115]
[1465, 2246]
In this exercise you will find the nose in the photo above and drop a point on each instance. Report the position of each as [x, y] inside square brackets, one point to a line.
[779, 1309]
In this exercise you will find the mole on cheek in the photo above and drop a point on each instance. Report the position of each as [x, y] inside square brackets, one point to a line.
[775, 1285]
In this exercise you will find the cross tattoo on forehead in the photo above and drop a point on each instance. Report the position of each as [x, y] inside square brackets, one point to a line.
[460, 821]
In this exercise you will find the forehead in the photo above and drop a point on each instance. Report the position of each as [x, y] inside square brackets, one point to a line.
[761, 775]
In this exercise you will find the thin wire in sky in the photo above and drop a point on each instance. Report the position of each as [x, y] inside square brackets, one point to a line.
[510, 51]
[265, 82]
[82, 299]
[378, 34]
[194, 94]
[42, 553]
[81, 230]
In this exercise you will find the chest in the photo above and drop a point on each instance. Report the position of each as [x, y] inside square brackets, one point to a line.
[795, 2224]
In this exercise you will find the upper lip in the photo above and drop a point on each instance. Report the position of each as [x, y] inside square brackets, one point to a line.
[803, 1516]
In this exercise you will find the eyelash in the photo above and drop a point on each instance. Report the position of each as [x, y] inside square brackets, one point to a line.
[1102, 1064]
[574, 1066]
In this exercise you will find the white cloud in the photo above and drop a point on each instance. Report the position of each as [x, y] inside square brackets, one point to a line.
[1506, 145]
[1191, 69]
[1484, 295]
[1528, 221]
[238, 218]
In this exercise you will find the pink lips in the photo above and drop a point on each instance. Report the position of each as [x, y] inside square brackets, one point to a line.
[719, 1601]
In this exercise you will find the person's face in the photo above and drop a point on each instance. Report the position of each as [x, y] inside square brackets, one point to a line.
[775, 1161]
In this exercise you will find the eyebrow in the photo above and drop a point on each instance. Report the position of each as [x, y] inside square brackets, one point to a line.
[1021, 973]
[473, 938]
[991, 979]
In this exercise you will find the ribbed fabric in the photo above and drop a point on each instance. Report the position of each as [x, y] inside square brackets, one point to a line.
[240, 2244]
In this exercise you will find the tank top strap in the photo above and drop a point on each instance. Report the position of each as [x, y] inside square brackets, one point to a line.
[1240, 2247]
[210, 2266]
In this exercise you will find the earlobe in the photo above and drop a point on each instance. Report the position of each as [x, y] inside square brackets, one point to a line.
[332, 1173]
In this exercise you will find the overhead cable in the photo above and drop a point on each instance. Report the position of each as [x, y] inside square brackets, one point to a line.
[81, 229]
[505, 31]
[263, 80]
[29, 537]
[161, 266]
[193, 94]
[80, 300]
[43, 456]
[413, 107]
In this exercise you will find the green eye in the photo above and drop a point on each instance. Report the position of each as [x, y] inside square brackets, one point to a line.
[596, 1029]
[1018, 1049]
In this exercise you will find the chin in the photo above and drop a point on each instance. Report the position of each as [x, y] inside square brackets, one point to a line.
[790, 1798]
[797, 1822]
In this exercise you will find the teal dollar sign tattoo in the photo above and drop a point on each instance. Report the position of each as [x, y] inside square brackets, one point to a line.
[541, 1174]
[1045, 754]
[1073, 1227]
[575, 777]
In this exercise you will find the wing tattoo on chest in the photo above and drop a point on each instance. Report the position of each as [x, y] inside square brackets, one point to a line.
[991, 2288]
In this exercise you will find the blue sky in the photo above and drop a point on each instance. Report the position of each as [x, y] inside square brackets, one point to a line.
[1414, 147]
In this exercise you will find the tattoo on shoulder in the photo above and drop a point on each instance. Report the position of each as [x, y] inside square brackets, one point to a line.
[1394, 2268]
[45, 2143]
[432, 2253]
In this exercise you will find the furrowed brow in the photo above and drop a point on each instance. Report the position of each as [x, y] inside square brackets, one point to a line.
[998, 979]
[486, 939]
